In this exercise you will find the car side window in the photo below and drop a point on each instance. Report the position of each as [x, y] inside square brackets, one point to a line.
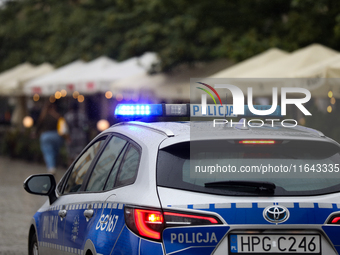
[80, 168]
[129, 167]
[105, 163]
[112, 178]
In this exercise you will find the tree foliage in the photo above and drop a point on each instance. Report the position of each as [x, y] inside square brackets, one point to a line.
[179, 30]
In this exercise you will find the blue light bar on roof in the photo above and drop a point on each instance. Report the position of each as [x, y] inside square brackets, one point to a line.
[131, 110]
[186, 110]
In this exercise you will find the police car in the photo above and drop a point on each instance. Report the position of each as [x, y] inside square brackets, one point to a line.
[193, 188]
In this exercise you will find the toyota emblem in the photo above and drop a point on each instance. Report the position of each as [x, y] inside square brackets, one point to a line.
[276, 214]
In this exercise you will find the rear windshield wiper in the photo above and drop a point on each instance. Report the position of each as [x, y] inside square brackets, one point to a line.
[259, 186]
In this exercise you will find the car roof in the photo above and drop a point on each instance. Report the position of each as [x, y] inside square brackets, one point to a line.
[175, 132]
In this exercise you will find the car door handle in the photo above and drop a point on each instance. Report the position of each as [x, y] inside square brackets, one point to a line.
[88, 214]
[62, 213]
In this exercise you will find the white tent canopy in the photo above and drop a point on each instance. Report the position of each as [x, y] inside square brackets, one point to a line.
[14, 85]
[254, 62]
[299, 59]
[328, 68]
[326, 74]
[166, 86]
[87, 71]
[267, 76]
[91, 77]
[130, 67]
[48, 84]
[80, 80]
[124, 69]
[333, 71]
[11, 83]
[13, 73]
[140, 86]
[102, 79]
[93, 66]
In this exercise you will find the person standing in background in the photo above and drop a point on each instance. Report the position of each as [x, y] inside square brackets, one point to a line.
[77, 124]
[50, 140]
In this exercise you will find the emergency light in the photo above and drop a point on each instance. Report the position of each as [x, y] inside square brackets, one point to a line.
[144, 110]
[185, 110]
[139, 110]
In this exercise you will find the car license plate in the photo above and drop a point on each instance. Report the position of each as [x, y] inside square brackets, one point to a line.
[275, 243]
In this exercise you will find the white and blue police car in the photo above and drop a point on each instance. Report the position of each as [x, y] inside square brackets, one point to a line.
[192, 188]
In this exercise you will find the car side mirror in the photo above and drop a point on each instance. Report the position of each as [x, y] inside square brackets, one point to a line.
[41, 184]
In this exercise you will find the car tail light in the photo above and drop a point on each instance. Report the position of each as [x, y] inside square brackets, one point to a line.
[151, 223]
[334, 220]
[176, 219]
[146, 223]
[257, 142]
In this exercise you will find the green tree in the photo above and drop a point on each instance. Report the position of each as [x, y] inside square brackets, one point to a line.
[180, 31]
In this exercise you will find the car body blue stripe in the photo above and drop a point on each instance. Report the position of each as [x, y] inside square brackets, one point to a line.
[252, 213]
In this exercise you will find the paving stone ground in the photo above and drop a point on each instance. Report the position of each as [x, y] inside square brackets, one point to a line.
[16, 205]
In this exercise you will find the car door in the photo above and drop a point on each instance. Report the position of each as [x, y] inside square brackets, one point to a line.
[52, 221]
[86, 228]
[111, 225]
[71, 205]
[50, 229]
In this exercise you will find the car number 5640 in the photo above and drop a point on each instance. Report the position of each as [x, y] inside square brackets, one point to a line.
[274, 243]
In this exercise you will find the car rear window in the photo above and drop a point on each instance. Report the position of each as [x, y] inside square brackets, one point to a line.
[234, 168]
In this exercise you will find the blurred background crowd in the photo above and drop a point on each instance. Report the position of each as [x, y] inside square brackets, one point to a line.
[85, 56]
